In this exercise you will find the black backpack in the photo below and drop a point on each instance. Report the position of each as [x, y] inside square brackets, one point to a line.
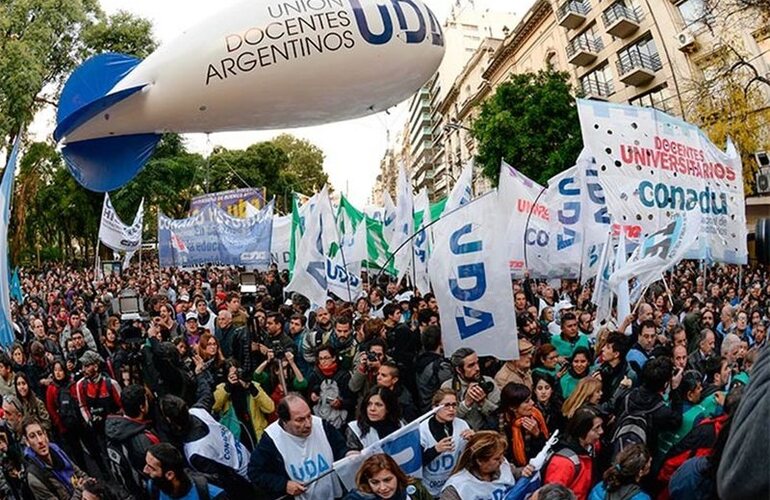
[69, 409]
[631, 427]
[121, 471]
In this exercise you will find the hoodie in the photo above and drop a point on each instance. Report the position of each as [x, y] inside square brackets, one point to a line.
[665, 418]
[135, 434]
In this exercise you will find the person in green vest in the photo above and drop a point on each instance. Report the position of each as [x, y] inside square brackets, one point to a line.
[579, 365]
[569, 339]
[689, 392]
[717, 375]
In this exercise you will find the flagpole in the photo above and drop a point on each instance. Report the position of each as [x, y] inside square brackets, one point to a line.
[425, 228]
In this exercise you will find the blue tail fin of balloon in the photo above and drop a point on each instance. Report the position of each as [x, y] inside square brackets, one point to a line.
[101, 164]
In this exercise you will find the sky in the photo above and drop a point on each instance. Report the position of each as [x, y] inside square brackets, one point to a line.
[353, 148]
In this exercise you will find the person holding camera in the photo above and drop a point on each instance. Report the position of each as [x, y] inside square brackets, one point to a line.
[479, 396]
[329, 391]
[364, 375]
[279, 374]
[242, 406]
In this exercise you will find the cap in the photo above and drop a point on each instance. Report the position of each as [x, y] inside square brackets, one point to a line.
[405, 297]
[190, 315]
[563, 305]
[525, 346]
[90, 358]
[184, 298]
[221, 295]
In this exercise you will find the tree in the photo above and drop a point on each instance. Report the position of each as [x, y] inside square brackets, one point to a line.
[306, 162]
[530, 121]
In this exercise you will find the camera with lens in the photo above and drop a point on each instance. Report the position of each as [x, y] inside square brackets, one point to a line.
[242, 375]
[372, 356]
[487, 386]
[278, 351]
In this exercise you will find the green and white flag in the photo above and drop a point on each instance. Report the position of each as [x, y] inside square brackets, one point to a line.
[378, 253]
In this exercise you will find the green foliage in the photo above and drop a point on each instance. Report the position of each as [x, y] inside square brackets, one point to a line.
[531, 122]
[305, 168]
[121, 32]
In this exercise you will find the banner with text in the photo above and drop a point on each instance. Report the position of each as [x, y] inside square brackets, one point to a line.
[234, 202]
[113, 233]
[214, 236]
[653, 166]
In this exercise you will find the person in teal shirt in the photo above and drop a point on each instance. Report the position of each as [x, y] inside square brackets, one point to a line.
[569, 339]
[546, 361]
[689, 393]
[578, 369]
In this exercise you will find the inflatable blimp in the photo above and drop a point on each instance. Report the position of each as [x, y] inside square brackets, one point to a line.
[260, 64]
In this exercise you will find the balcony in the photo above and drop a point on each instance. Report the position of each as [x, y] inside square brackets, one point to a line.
[573, 13]
[582, 51]
[621, 21]
[638, 69]
[598, 91]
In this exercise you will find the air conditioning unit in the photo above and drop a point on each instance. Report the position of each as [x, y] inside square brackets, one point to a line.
[763, 160]
[686, 41]
[763, 182]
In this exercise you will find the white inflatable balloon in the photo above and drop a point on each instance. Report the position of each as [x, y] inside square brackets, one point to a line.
[257, 65]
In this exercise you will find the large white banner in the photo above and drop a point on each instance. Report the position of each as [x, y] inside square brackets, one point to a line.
[462, 192]
[280, 244]
[653, 166]
[420, 243]
[469, 271]
[404, 224]
[117, 235]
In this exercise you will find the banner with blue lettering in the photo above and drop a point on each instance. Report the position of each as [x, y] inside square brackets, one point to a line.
[653, 166]
[469, 271]
[214, 236]
[403, 446]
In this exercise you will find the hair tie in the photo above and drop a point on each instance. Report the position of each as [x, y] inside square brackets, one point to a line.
[617, 467]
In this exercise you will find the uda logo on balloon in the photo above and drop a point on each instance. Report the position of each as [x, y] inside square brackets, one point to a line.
[253, 66]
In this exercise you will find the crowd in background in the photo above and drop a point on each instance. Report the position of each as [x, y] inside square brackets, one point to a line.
[213, 393]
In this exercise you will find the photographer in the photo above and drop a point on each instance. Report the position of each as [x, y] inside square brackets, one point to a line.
[279, 374]
[328, 388]
[479, 395]
[276, 337]
[364, 375]
[242, 406]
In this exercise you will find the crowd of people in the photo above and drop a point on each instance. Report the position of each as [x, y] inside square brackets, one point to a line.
[205, 392]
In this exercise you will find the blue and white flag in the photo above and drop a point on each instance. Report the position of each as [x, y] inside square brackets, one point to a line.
[16, 286]
[403, 446]
[469, 272]
[462, 192]
[388, 216]
[421, 244]
[6, 194]
[624, 301]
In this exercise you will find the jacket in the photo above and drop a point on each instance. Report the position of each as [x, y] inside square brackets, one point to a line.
[477, 416]
[432, 370]
[259, 406]
[692, 482]
[665, 418]
[742, 471]
[562, 469]
[628, 492]
[52, 482]
[135, 435]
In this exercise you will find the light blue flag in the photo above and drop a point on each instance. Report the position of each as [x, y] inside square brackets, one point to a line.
[6, 192]
[16, 286]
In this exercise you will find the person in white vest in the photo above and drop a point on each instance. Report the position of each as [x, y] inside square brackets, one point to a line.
[483, 473]
[208, 446]
[442, 438]
[294, 457]
[379, 415]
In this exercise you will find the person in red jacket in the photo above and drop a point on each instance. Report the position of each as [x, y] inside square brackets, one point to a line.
[571, 463]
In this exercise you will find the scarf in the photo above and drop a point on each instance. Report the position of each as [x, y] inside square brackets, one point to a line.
[385, 428]
[328, 371]
[517, 436]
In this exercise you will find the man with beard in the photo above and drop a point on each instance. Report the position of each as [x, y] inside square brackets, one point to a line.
[344, 342]
[169, 480]
[318, 336]
[478, 395]
[50, 472]
[209, 447]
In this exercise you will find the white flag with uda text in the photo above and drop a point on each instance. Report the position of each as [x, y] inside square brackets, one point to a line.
[309, 277]
[469, 272]
[280, 244]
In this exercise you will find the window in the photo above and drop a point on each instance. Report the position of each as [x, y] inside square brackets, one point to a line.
[642, 54]
[598, 82]
[695, 14]
[656, 98]
[549, 61]
[588, 39]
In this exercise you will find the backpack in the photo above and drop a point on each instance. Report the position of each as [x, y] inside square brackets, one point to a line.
[120, 467]
[432, 385]
[565, 453]
[69, 409]
[632, 427]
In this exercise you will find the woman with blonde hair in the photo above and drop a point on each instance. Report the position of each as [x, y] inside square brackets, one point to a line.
[588, 391]
[210, 353]
[482, 472]
[380, 477]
